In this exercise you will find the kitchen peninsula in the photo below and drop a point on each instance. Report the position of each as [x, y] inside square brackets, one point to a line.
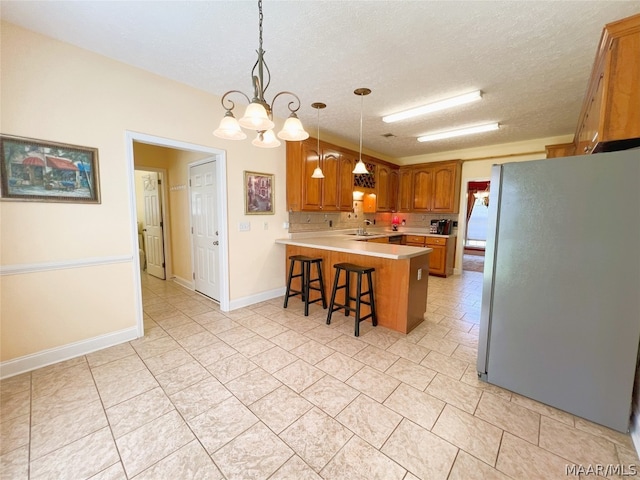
[400, 279]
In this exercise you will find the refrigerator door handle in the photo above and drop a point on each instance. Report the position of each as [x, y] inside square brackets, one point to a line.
[489, 269]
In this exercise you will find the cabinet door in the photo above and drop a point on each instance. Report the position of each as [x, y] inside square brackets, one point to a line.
[621, 115]
[393, 190]
[382, 188]
[331, 185]
[405, 193]
[294, 176]
[346, 182]
[311, 187]
[422, 189]
[443, 197]
[438, 260]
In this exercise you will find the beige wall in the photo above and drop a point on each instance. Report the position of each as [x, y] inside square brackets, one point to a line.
[54, 91]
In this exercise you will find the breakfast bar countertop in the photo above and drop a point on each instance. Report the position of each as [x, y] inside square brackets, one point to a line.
[356, 244]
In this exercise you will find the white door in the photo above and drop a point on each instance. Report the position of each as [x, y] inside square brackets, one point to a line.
[204, 226]
[152, 225]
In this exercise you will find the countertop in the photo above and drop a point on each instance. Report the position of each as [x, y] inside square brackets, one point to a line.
[347, 242]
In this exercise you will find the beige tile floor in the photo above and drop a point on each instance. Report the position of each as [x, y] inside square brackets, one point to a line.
[263, 392]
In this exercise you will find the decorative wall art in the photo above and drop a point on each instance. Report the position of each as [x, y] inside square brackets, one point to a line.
[258, 193]
[42, 171]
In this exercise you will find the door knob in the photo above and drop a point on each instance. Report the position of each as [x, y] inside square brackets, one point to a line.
[216, 242]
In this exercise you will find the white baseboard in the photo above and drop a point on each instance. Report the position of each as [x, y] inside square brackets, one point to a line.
[260, 297]
[41, 359]
[457, 271]
[190, 284]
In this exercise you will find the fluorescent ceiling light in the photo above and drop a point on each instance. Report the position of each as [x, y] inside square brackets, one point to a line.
[456, 133]
[434, 107]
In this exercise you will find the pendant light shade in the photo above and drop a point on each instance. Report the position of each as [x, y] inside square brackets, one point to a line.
[229, 128]
[317, 173]
[293, 130]
[256, 118]
[266, 139]
[361, 168]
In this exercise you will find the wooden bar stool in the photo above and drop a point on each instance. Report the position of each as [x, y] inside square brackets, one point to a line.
[350, 268]
[306, 282]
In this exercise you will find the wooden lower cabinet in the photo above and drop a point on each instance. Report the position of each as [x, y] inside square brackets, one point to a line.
[401, 299]
[442, 258]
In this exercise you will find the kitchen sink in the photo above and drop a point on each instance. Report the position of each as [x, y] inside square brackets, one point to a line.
[363, 234]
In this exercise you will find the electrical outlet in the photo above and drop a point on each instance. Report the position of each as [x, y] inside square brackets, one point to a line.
[244, 226]
[419, 274]
[285, 225]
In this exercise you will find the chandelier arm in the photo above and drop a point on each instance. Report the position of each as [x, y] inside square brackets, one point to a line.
[289, 106]
[231, 102]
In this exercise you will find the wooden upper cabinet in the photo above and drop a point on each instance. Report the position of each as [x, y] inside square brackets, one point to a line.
[422, 189]
[560, 150]
[405, 189]
[393, 189]
[330, 185]
[386, 188]
[446, 188]
[294, 176]
[345, 198]
[610, 117]
[331, 193]
[311, 187]
[621, 106]
[436, 187]
[382, 188]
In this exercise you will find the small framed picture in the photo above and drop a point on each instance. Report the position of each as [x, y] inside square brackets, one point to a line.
[258, 193]
[42, 171]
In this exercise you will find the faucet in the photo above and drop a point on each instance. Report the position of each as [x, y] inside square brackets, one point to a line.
[366, 222]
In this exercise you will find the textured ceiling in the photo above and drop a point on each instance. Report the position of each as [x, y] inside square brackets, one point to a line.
[532, 59]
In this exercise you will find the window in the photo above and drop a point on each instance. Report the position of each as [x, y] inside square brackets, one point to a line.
[477, 225]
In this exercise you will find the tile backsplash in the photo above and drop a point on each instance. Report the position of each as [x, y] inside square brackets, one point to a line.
[321, 221]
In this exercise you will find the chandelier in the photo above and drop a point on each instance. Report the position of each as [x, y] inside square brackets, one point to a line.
[259, 114]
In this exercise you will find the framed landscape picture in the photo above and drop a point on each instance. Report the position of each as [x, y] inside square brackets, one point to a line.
[258, 193]
[42, 171]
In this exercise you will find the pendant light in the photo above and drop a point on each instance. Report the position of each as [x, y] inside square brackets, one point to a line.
[361, 168]
[259, 114]
[317, 173]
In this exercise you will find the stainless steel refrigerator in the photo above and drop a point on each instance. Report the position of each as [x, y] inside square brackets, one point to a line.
[560, 318]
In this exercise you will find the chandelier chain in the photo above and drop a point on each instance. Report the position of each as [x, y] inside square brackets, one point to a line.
[260, 17]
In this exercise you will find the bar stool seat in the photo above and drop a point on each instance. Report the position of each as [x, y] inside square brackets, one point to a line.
[306, 282]
[359, 271]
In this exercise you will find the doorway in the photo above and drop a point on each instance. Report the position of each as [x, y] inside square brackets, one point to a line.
[476, 225]
[221, 212]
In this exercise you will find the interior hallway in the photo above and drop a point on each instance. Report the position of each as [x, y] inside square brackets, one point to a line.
[264, 392]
